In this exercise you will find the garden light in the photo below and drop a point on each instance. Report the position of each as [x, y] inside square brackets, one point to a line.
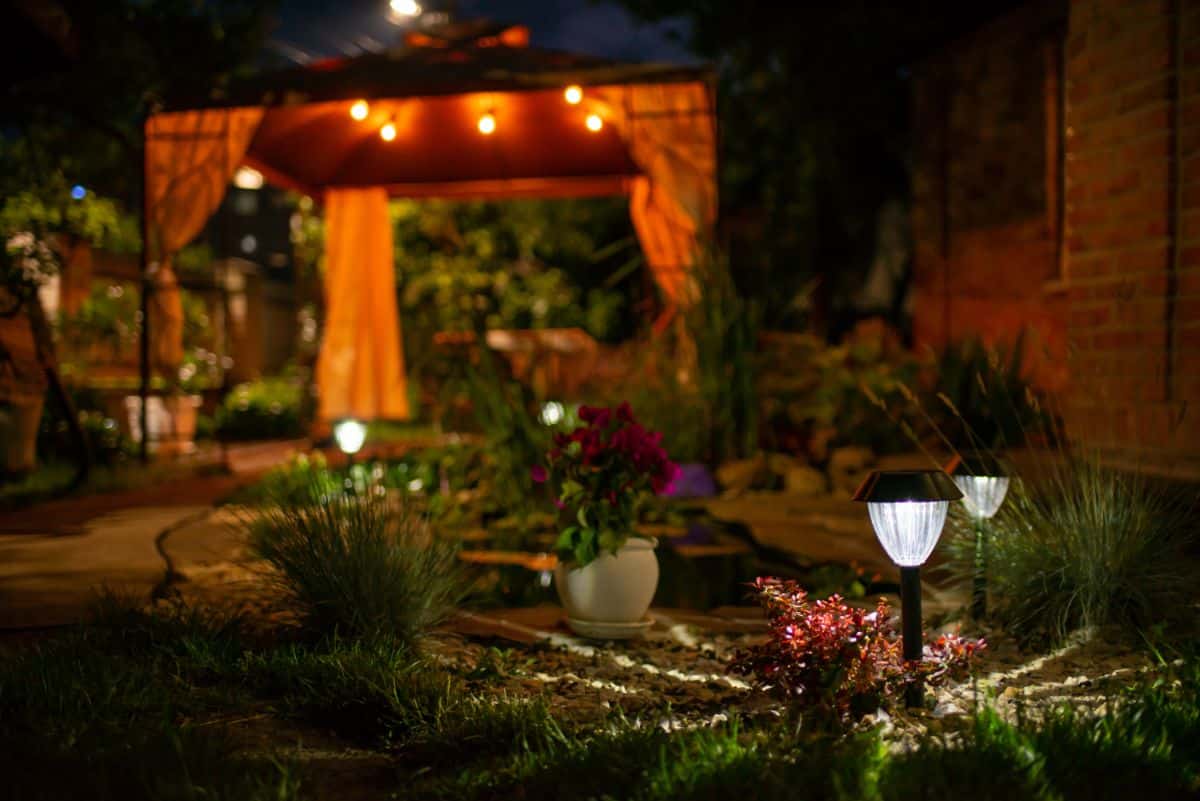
[350, 436]
[78, 192]
[573, 94]
[247, 178]
[594, 122]
[359, 110]
[984, 483]
[908, 509]
[552, 413]
[388, 132]
[487, 124]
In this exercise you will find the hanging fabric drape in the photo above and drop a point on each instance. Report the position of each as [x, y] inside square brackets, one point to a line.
[670, 133]
[360, 370]
[190, 157]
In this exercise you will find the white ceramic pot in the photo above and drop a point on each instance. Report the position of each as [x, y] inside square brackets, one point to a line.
[610, 589]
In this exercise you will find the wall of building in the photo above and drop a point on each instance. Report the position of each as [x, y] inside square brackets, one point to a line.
[1073, 208]
[1133, 229]
[987, 189]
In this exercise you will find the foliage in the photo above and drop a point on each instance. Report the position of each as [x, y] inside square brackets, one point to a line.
[357, 567]
[49, 207]
[517, 264]
[26, 262]
[838, 660]
[126, 58]
[503, 411]
[722, 326]
[264, 409]
[816, 395]
[991, 401]
[601, 471]
[108, 446]
[1084, 546]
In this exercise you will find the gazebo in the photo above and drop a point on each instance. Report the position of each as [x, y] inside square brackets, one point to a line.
[468, 110]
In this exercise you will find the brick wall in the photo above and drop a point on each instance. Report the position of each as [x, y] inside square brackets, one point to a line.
[1132, 263]
[1073, 207]
[986, 189]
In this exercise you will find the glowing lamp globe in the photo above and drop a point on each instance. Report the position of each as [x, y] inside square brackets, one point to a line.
[594, 122]
[573, 94]
[359, 110]
[388, 132]
[350, 436]
[487, 124]
[983, 480]
[908, 509]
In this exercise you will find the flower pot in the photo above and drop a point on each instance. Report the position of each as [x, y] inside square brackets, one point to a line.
[614, 590]
[171, 420]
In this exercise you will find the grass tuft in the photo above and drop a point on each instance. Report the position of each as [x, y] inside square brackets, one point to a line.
[1086, 546]
[356, 566]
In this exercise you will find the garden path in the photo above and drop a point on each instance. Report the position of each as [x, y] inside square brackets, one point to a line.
[56, 556]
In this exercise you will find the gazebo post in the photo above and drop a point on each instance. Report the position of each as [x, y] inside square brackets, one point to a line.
[144, 343]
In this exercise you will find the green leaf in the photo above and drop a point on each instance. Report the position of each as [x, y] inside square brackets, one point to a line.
[566, 539]
[585, 551]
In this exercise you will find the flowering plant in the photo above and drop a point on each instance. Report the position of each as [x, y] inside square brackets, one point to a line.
[838, 659]
[602, 470]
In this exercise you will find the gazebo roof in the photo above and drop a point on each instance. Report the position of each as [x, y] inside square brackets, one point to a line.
[433, 89]
[453, 59]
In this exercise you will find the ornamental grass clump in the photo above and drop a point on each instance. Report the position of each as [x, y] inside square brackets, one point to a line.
[839, 660]
[602, 471]
[1089, 546]
[358, 566]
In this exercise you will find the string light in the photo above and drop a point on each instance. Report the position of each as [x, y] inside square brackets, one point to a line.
[573, 94]
[594, 123]
[359, 110]
[388, 132]
[405, 8]
[487, 124]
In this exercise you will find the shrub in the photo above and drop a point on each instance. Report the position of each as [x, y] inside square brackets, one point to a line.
[265, 409]
[1085, 546]
[356, 566]
[838, 660]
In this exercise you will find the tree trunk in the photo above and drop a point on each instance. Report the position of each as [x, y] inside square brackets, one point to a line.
[47, 357]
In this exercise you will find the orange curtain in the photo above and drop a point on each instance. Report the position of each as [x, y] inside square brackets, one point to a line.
[190, 157]
[360, 370]
[671, 134]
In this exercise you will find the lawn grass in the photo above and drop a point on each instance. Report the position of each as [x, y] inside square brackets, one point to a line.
[129, 707]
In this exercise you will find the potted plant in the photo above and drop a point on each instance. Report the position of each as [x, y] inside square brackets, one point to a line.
[607, 572]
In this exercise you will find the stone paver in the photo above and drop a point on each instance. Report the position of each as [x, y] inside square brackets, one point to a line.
[49, 580]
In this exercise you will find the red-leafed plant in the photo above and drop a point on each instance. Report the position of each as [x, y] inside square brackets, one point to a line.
[838, 659]
[601, 472]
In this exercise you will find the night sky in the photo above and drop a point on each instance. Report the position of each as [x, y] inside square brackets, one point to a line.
[317, 28]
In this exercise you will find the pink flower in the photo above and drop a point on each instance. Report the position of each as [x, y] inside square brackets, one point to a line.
[537, 473]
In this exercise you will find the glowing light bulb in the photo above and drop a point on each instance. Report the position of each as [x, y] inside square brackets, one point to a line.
[359, 110]
[573, 94]
[594, 123]
[487, 124]
[388, 132]
[405, 8]
[247, 178]
[350, 436]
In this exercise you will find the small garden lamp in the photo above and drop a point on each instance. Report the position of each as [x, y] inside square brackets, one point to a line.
[350, 435]
[908, 509]
[983, 480]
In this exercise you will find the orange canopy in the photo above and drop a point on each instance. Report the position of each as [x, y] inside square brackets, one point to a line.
[643, 130]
